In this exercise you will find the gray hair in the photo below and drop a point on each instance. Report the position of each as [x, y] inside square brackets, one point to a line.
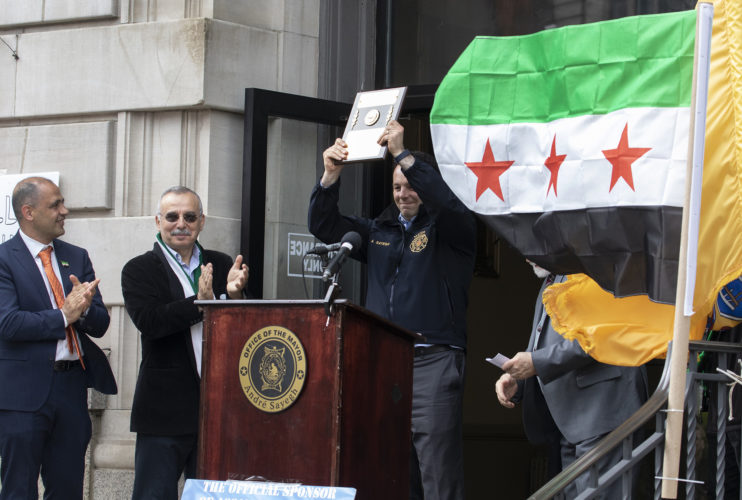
[181, 190]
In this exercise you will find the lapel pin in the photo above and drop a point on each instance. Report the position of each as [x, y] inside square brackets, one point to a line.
[64, 263]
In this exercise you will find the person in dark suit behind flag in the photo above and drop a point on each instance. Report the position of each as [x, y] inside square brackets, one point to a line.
[570, 401]
[49, 308]
[420, 254]
[159, 288]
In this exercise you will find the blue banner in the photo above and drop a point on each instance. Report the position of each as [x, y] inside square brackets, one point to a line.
[203, 489]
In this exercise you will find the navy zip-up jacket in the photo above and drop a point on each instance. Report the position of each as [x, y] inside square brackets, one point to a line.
[420, 278]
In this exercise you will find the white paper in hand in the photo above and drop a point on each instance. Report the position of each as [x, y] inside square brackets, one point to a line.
[498, 360]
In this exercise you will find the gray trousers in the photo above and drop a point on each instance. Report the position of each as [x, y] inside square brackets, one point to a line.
[437, 458]
[571, 452]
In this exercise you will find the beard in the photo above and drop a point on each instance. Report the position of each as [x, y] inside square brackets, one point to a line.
[539, 271]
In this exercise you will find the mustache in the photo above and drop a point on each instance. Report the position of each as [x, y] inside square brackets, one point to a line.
[181, 232]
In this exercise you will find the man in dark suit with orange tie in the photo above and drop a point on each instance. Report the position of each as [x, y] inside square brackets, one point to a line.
[49, 307]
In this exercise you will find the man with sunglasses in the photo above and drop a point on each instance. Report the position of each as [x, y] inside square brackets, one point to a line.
[159, 288]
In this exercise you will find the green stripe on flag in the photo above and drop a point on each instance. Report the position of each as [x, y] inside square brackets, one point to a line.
[640, 61]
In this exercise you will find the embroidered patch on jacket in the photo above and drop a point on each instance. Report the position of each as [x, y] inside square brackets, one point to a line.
[419, 242]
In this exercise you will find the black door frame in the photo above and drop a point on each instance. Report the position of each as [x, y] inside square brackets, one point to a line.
[260, 105]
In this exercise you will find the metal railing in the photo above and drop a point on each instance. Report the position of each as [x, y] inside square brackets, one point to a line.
[632, 455]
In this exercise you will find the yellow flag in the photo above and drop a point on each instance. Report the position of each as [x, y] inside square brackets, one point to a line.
[633, 330]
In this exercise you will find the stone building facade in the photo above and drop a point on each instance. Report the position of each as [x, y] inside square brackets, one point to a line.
[125, 98]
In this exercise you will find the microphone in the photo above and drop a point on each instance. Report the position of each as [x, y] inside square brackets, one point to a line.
[323, 249]
[351, 241]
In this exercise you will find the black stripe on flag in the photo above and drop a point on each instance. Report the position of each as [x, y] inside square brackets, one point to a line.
[626, 250]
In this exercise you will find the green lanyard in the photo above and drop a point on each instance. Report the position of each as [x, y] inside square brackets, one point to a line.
[196, 273]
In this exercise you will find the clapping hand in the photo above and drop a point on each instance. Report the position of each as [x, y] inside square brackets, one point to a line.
[237, 278]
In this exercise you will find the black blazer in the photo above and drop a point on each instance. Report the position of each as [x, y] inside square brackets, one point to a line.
[166, 398]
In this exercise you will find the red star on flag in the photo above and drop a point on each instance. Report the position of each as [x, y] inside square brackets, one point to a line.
[488, 172]
[553, 162]
[622, 157]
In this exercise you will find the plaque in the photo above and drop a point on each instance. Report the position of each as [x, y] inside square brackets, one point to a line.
[371, 112]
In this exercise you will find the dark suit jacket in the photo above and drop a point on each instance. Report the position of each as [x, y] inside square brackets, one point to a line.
[582, 397]
[30, 327]
[166, 398]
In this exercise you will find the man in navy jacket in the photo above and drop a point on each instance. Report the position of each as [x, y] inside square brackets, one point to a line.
[420, 254]
[46, 366]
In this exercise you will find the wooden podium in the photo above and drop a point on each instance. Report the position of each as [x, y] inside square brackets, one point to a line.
[348, 426]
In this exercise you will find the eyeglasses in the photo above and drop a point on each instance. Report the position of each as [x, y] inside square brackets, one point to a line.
[189, 217]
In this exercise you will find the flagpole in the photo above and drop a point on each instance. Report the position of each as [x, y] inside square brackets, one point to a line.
[681, 326]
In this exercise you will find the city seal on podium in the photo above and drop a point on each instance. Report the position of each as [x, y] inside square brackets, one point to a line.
[272, 368]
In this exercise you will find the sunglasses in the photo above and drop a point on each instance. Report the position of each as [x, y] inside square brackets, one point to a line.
[189, 217]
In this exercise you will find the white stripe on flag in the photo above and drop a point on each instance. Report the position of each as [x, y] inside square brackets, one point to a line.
[584, 177]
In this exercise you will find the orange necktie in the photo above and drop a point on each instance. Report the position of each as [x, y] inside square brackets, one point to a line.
[46, 260]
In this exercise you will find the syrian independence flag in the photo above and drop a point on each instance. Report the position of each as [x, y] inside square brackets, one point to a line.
[632, 330]
[571, 144]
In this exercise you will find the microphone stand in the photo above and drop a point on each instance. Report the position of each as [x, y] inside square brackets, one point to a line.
[332, 293]
[324, 259]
